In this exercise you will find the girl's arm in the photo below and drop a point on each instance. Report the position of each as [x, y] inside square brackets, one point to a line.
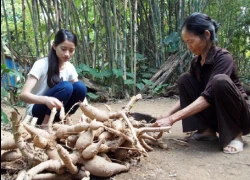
[30, 98]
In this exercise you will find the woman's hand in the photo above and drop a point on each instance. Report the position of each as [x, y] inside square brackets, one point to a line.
[166, 121]
[51, 102]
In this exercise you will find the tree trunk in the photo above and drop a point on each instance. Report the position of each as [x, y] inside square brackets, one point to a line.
[165, 71]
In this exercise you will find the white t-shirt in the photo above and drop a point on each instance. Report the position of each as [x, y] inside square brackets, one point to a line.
[39, 71]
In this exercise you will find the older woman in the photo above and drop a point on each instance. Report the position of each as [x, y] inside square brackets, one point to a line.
[211, 96]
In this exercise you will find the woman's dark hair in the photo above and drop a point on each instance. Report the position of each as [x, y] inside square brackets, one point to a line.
[197, 23]
[53, 66]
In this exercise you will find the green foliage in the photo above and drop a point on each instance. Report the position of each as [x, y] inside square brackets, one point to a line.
[8, 98]
[108, 33]
[172, 42]
[114, 77]
[84, 70]
[234, 32]
[159, 89]
[92, 96]
[4, 96]
[140, 86]
[118, 73]
[4, 117]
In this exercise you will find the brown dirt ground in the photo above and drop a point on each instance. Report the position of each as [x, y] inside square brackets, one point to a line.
[196, 160]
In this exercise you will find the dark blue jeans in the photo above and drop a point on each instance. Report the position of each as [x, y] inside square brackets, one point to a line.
[65, 92]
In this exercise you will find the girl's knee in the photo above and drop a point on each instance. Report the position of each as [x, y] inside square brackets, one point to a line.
[66, 87]
[80, 87]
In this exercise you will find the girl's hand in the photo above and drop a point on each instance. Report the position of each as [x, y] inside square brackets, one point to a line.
[51, 102]
[167, 121]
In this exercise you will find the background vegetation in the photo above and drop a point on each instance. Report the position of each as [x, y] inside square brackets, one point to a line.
[122, 43]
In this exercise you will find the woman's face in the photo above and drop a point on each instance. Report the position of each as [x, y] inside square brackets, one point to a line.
[194, 43]
[65, 50]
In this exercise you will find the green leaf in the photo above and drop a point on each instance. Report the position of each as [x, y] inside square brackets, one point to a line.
[103, 30]
[117, 72]
[144, 67]
[148, 82]
[5, 69]
[84, 67]
[92, 96]
[4, 117]
[172, 42]
[140, 57]
[157, 88]
[96, 74]
[3, 66]
[78, 70]
[172, 38]
[129, 74]
[153, 70]
[129, 81]
[146, 75]
[4, 93]
[106, 73]
[140, 86]
[113, 28]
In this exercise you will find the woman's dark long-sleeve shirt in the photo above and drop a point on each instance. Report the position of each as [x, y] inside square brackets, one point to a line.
[218, 61]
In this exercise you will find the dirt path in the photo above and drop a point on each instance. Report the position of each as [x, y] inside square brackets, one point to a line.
[194, 161]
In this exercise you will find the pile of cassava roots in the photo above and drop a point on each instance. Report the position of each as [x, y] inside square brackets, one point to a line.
[101, 143]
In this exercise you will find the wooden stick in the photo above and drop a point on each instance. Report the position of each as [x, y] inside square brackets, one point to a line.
[51, 119]
[153, 129]
[130, 127]
[33, 121]
[62, 113]
[26, 119]
[133, 100]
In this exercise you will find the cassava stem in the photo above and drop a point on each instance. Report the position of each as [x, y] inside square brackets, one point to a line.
[51, 119]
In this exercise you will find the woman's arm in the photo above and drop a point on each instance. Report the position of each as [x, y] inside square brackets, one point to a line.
[30, 98]
[197, 106]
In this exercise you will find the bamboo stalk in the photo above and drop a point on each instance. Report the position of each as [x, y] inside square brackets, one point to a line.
[34, 24]
[15, 22]
[8, 33]
[40, 30]
[135, 43]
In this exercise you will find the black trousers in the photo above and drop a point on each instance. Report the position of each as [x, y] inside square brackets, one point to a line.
[229, 114]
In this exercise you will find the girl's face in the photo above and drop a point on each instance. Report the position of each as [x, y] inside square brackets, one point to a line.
[195, 43]
[65, 50]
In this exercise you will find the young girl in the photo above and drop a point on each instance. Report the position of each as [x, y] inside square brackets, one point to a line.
[53, 81]
[211, 96]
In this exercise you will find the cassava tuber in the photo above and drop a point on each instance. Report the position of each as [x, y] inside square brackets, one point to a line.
[85, 139]
[82, 147]
[99, 166]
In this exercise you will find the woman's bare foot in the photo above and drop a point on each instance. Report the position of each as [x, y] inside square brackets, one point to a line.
[235, 146]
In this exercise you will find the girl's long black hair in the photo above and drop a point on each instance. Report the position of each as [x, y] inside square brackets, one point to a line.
[53, 66]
